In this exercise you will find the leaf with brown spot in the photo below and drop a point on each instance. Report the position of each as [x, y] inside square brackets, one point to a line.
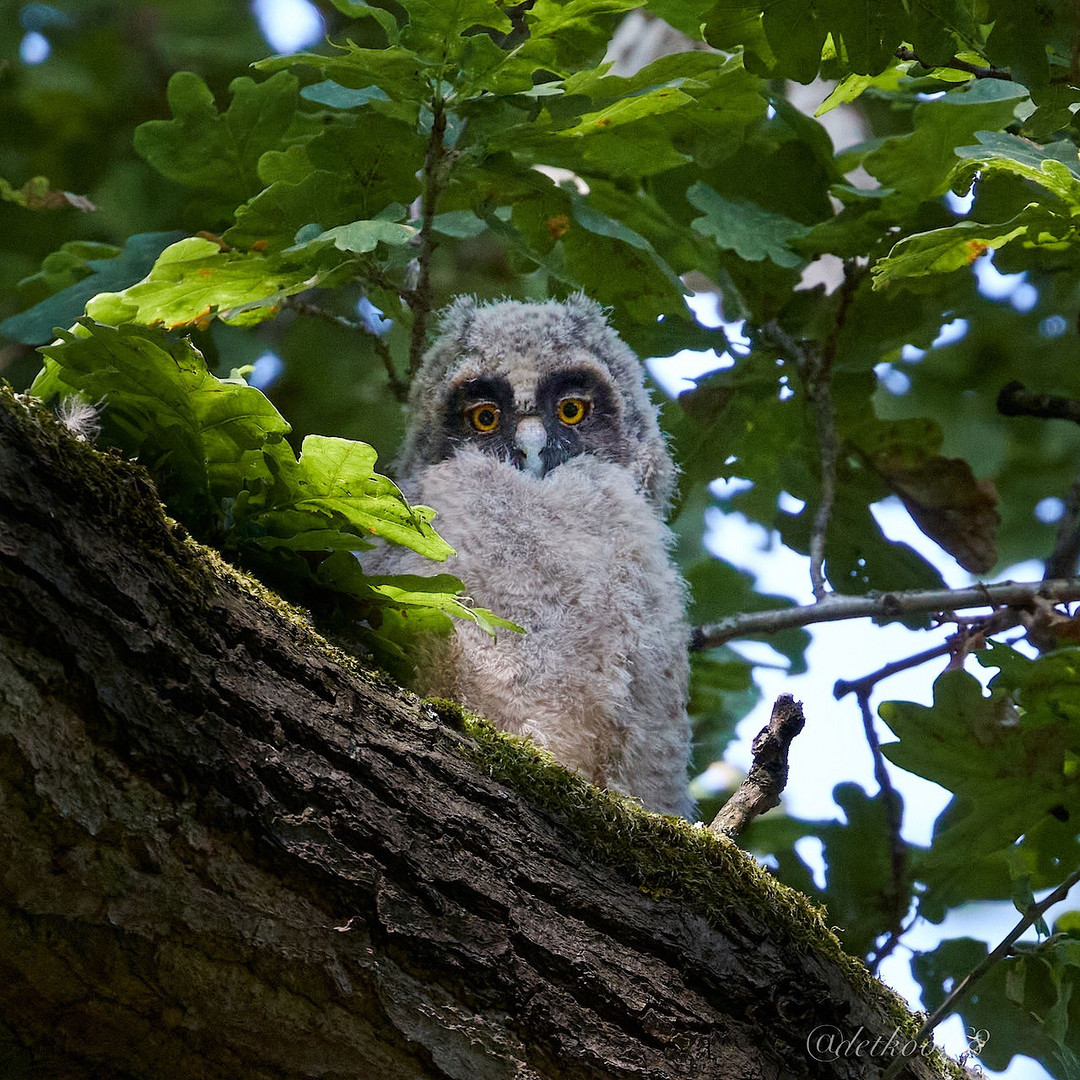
[941, 494]
[557, 226]
[950, 506]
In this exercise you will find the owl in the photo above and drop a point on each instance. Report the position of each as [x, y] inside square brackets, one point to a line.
[532, 434]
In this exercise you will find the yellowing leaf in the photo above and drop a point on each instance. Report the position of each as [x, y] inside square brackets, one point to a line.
[949, 505]
[194, 280]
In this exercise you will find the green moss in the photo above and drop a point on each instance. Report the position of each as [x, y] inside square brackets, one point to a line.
[450, 713]
[668, 858]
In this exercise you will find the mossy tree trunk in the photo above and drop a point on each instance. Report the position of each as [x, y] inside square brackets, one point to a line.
[227, 850]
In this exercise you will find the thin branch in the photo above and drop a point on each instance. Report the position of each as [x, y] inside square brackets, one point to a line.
[434, 180]
[885, 607]
[853, 276]
[814, 365]
[814, 373]
[1033, 914]
[888, 946]
[1005, 619]
[819, 391]
[1066, 554]
[1015, 400]
[843, 687]
[372, 275]
[768, 775]
[904, 53]
[898, 896]
[399, 389]
[817, 381]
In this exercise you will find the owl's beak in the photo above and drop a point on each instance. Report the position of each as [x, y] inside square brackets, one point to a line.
[529, 441]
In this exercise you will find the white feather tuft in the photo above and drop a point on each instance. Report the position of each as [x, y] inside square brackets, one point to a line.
[81, 418]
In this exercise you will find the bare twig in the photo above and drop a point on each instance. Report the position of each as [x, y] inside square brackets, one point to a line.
[885, 607]
[904, 53]
[819, 391]
[817, 381]
[1066, 554]
[813, 370]
[897, 898]
[398, 388]
[1015, 400]
[434, 179]
[761, 789]
[843, 687]
[1033, 914]
[888, 946]
[1004, 619]
[814, 364]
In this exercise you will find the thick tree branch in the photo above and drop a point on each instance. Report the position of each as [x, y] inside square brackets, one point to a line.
[227, 850]
[885, 607]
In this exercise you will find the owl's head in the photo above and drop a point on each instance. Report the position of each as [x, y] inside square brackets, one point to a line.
[535, 384]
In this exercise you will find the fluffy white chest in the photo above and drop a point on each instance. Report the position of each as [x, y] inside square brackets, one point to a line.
[531, 431]
[580, 560]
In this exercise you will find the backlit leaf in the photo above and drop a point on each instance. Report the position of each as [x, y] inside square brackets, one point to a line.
[194, 281]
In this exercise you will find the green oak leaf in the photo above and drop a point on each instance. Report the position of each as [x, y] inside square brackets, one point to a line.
[740, 226]
[194, 281]
[941, 251]
[202, 437]
[357, 168]
[359, 9]
[398, 72]
[360, 237]
[920, 165]
[1009, 766]
[217, 154]
[1054, 167]
[337, 477]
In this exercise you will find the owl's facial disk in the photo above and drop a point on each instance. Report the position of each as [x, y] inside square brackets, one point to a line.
[569, 413]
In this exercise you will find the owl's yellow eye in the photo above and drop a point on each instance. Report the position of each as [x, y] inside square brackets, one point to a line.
[572, 410]
[484, 417]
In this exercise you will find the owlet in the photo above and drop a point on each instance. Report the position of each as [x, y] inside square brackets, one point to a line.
[533, 436]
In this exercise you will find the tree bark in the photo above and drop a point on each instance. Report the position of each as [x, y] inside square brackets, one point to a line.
[228, 850]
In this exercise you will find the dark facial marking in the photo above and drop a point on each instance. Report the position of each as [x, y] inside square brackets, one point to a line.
[578, 409]
[598, 432]
[470, 410]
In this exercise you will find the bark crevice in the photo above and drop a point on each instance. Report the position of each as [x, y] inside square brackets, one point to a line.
[227, 850]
